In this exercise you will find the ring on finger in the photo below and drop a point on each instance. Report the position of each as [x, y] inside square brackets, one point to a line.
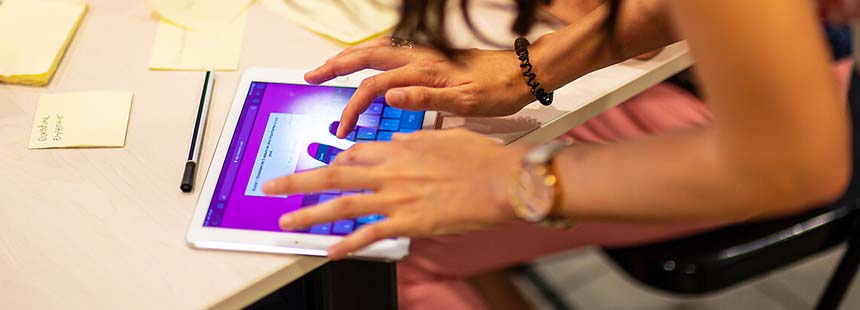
[401, 42]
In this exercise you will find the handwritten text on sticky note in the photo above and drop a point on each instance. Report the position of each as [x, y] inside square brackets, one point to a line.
[81, 119]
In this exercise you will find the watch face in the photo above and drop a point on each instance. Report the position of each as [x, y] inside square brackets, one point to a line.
[536, 191]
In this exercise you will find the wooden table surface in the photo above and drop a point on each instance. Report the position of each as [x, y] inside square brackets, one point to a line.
[105, 228]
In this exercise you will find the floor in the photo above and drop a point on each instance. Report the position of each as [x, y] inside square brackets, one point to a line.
[587, 280]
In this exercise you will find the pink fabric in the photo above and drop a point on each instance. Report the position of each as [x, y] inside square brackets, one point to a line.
[839, 11]
[435, 275]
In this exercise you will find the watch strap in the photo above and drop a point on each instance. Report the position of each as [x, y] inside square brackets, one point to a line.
[544, 153]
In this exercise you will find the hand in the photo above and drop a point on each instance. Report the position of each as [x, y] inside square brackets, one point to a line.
[425, 184]
[478, 83]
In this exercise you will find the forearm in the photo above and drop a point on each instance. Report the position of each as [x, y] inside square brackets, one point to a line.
[778, 142]
[683, 176]
[673, 176]
[584, 46]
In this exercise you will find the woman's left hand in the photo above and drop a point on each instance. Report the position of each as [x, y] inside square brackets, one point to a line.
[425, 184]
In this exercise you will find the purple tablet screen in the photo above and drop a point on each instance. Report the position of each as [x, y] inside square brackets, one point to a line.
[288, 128]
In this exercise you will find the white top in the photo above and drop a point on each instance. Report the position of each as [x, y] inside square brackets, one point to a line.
[104, 228]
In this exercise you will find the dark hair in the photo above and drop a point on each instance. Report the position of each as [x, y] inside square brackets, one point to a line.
[423, 21]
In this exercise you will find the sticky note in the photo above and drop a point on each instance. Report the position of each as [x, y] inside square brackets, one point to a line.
[347, 22]
[178, 48]
[81, 119]
[200, 14]
[35, 35]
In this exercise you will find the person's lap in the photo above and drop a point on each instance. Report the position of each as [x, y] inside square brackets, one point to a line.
[435, 274]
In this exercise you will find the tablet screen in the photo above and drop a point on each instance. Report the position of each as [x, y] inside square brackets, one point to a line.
[288, 128]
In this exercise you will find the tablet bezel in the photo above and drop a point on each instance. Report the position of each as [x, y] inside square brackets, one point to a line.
[202, 237]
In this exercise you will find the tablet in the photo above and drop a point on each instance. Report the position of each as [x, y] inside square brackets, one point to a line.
[279, 125]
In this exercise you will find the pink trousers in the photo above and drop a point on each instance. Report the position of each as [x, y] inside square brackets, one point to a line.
[435, 274]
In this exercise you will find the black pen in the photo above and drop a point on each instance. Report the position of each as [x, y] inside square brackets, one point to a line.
[197, 136]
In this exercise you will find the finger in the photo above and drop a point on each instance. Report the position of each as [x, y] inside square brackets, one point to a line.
[343, 207]
[379, 58]
[325, 178]
[404, 137]
[421, 98]
[364, 236]
[367, 44]
[378, 42]
[423, 139]
[365, 154]
[421, 136]
[373, 87]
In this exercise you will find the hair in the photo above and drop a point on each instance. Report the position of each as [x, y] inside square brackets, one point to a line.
[423, 21]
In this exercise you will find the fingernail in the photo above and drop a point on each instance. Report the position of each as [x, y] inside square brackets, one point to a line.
[396, 97]
[269, 187]
[334, 253]
[286, 222]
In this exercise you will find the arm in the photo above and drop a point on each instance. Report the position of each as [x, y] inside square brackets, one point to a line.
[584, 46]
[490, 83]
[778, 143]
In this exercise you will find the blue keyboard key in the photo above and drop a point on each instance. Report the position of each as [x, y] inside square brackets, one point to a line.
[321, 229]
[391, 112]
[379, 99]
[389, 124]
[324, 198]
[368, 121]
[374, 109]
[365, 133]
[343, 227]
[406, 130]
[369, 219]
[322, 153]
[411, 119]
[333, 153]
[383, 136]
[350, 136]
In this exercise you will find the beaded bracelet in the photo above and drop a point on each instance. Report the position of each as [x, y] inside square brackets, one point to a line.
[521, 47]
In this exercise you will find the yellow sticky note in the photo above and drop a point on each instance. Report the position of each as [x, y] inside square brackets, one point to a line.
[348, 22]
[199, 14]
[81, 119]
[31, 53]
[177, 48]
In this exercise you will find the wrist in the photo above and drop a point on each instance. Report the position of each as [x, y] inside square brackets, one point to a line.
[511, 159]
[571, 52]
[542, 57]
[535, 194]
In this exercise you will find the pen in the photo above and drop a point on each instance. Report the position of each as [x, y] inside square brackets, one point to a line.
[197, 136]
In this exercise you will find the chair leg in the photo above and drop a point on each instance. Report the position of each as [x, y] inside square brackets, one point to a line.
[841, 279]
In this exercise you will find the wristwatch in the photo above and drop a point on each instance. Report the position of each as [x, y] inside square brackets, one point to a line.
[535, 193]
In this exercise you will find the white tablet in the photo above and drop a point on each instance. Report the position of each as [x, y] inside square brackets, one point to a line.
[279, 125]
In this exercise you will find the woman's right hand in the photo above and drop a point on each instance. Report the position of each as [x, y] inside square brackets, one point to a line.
[476, 83]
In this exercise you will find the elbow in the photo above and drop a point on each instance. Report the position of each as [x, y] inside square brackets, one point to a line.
[828, 184]
[801, 186]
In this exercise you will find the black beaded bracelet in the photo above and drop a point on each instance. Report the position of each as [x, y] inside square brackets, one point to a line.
[521, 47]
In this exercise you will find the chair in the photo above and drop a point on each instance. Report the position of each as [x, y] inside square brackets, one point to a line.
[724, 257]
[721, 258]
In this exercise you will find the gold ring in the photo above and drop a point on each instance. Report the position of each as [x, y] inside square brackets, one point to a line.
[400, 42]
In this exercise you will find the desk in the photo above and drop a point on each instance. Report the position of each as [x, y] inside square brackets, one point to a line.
[104, 228]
